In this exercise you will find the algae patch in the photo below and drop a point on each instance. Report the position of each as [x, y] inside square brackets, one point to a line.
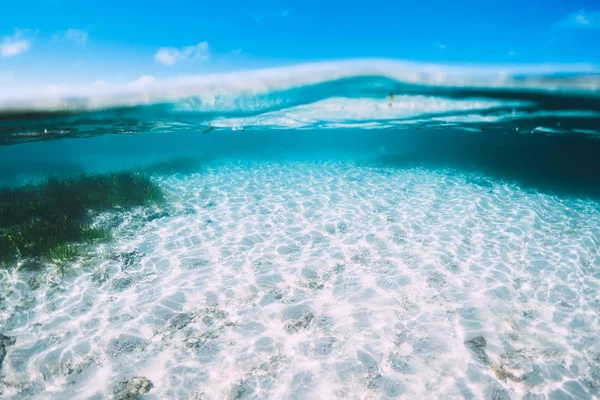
[50, 220]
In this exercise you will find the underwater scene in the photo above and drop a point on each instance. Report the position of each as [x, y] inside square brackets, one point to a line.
[352, 231]
[299, 200]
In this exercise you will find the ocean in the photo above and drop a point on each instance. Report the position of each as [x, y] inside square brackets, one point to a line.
[352, 230]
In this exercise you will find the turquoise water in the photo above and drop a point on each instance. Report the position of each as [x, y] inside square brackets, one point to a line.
[330, 234]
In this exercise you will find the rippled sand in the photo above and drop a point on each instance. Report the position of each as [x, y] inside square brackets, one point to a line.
[321, 280]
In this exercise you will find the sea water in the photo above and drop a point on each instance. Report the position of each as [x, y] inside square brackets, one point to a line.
[338, 242]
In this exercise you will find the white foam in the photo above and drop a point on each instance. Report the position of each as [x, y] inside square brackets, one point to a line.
[344, 112]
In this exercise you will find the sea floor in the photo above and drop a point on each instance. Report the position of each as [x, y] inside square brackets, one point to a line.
[306, 280]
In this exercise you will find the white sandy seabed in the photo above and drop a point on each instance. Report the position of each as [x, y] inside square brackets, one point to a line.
[321, 280]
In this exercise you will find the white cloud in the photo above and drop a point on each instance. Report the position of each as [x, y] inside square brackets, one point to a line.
[512, 53]
[442, 46]
[582, 20]
[143, 81]
[14, 45]
[77, 36]
[100, 83]
[174, 55]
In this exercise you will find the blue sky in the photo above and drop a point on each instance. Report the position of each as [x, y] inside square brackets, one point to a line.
[57, 40]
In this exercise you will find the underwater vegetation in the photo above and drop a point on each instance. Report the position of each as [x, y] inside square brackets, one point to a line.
[49, 220]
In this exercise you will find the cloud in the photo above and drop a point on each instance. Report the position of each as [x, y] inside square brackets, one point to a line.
[100, 83]
[172, 55]
[14, 45]
[512, 53]
[77, 36]
[581, 20]
[143, 81]
[442, 46]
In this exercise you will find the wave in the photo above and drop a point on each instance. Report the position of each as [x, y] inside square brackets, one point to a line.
[367, 93]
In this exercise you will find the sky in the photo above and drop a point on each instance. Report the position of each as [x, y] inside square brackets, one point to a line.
[54, 41]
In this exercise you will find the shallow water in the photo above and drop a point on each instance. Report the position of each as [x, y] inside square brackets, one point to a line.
[452, 253]
[329, 279]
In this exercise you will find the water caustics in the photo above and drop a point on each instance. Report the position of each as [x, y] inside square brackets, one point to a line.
[348, 230]
[364, 94]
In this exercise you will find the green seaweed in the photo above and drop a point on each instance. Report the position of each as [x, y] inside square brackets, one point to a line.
[49, 220]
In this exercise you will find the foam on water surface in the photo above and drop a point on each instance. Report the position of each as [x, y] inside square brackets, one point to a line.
[321, 280]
